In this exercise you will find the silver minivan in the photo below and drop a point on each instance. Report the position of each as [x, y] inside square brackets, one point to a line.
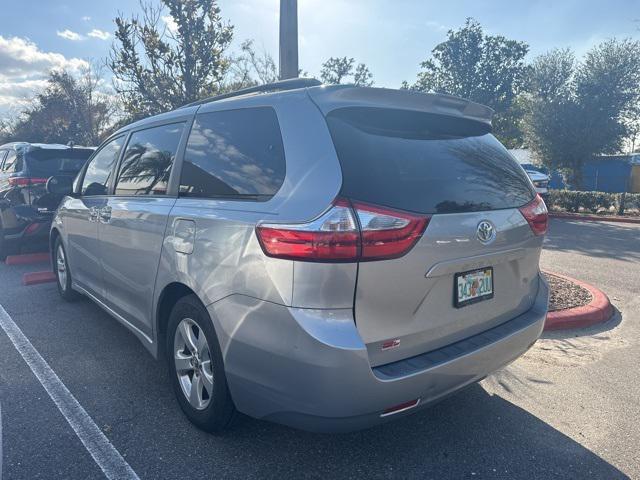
[328, 258]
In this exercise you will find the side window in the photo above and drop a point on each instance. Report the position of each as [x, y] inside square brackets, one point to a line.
[3, 153]
[10, 162]
[96, 178]
[146, 165]
[237, 154]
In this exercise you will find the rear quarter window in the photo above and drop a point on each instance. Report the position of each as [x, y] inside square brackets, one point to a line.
[425, 163]
[148, 161]
[234, 154]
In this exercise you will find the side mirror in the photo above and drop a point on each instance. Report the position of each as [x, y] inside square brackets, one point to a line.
[60, 185]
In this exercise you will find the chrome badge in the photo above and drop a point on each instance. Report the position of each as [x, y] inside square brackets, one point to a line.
[486, 232]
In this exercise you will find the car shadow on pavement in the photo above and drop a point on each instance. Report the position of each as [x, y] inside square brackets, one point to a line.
[470, 434]
[596, 239]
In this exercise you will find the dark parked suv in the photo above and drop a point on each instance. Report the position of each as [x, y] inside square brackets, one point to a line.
[26, 208]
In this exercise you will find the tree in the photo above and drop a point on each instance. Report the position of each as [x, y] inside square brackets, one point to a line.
[363, 77]
[336, 70]
[6, 131]
[68, 109]
[251, 68]
[576, 110]
[160, 63]
[488, 69]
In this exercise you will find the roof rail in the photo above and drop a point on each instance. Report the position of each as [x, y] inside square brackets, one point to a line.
[290, 84]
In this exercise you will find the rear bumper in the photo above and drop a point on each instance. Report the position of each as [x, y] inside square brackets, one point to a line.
[309, 368]
[35, 229]
[25, 222]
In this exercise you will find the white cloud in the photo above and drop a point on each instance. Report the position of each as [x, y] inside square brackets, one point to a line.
[433, 25]
[171, 24]
[19, 56]
[24, 68]
[69, 35]
[100, 34]
[86, 18]
[15, 94]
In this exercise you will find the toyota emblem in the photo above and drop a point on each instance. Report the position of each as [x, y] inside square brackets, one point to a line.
[486, 232]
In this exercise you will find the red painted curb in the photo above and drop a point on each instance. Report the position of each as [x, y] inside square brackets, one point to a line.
[597, 311]
[594, 218]
[27, 259]
[36, 278]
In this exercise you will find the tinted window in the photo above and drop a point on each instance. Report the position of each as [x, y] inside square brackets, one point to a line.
[235, 154]
[147, 161]
[46, 163]
[10, 163]
[96, 178]
[3, 153]
[425, 163]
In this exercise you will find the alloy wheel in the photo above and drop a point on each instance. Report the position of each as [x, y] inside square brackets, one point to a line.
[193, 366]
[61, 266]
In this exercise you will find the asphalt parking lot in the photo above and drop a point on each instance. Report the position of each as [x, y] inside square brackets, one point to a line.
[568, 409]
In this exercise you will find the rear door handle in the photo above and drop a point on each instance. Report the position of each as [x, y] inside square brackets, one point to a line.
[93, 214]
[105, 214]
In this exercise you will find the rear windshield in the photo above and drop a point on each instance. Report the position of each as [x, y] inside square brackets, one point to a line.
[46, 163]
[425, 163]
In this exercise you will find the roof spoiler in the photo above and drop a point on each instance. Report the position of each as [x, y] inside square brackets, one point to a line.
[332, 98]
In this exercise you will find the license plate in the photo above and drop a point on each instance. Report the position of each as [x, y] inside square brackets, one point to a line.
[472, 287]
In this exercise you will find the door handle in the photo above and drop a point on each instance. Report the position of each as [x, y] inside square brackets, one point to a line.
[93, 214]
[105, 214]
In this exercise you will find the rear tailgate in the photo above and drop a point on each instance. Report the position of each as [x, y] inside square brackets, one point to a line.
[409, 153]
[43, 163]
[411, 299]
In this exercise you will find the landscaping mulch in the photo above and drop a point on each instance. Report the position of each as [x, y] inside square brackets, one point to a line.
[565, 294]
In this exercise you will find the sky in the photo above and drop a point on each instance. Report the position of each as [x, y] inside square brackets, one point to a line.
[391, 36]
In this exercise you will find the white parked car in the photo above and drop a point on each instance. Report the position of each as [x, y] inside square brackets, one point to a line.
[539, 179]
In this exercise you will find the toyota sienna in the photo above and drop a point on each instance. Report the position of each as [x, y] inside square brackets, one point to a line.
[328, 258]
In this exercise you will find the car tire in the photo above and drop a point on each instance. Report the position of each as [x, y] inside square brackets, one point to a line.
[62, 272]
[196, 367]
[6, 248]
[3, 245]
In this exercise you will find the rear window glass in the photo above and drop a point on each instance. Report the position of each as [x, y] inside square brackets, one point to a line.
[425, 163]
[46, 163]
[236, 154]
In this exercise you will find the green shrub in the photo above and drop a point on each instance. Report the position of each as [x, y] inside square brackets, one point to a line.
[572, 201]
[631, 202]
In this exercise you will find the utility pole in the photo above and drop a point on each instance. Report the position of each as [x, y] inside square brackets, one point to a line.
[288, 39]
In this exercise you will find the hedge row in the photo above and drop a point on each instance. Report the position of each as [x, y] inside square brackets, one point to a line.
[571, 201]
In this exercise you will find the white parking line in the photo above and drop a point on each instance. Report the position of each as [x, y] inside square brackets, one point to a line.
[0, 443]
[103, 452]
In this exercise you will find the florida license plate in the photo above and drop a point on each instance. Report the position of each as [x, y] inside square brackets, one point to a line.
[472, 287]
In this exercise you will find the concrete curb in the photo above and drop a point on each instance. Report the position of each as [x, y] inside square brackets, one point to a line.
[597, 311]
[36, 278]
[593, 218]
[28, 259]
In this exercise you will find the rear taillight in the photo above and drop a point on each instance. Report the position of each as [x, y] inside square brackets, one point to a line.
[536, 214]
[345, 233]
[26, 181]
[387, 233]
[332, 236]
